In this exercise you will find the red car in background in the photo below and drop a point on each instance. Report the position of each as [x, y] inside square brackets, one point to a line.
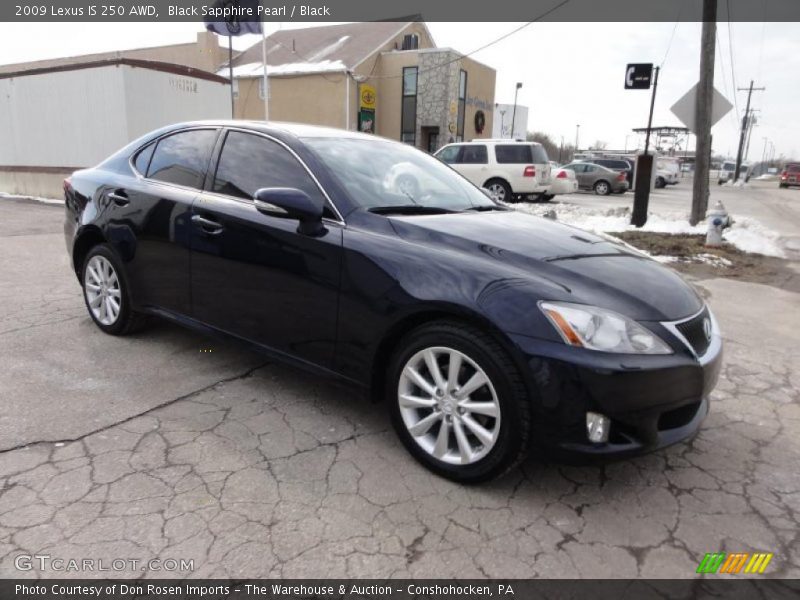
[790, 175]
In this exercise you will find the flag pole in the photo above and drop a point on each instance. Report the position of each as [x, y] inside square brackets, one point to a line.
[266, 79]
[230, 70]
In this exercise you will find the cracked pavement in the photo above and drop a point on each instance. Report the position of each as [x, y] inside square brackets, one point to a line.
[148, 447]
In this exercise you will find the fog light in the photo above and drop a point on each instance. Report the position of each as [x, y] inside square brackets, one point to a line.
[597, 427]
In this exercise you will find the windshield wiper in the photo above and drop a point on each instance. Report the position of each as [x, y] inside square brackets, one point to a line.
[486, 207]
[409, 209]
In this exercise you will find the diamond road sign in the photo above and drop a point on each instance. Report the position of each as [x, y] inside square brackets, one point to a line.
[685, 107]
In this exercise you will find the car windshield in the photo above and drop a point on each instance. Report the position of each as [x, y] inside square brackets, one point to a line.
[380, 174]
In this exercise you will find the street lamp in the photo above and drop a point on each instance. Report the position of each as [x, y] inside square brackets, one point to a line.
[577, 131]
[514, 114]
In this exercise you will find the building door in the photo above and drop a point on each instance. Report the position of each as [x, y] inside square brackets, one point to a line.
[430, 137]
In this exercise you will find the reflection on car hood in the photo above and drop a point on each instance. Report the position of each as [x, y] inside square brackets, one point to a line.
[594, 269]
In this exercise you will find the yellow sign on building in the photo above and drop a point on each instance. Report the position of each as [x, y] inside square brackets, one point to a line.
[369, 96]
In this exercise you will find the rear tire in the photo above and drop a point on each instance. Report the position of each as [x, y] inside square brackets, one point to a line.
[500, 190]
[106, 293]
[450, 429]
[602, 188]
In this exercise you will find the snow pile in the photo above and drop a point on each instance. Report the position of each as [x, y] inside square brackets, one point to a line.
[766, 177]
[747, 234]
[256, 69]
[35, 198]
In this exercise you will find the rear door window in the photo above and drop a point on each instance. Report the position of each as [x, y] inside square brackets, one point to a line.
[182, 158]
[513, 154]
[474, 155]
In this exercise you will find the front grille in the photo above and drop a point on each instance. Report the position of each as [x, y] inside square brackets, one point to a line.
[695, 332]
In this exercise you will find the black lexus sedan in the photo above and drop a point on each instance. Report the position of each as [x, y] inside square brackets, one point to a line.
[484, 330]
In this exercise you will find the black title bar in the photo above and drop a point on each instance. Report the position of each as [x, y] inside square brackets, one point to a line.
[427, 10]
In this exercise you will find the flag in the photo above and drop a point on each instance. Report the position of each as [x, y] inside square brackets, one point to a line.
[230, 17]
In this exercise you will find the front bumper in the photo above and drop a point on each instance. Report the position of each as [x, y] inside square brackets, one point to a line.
[652, 401]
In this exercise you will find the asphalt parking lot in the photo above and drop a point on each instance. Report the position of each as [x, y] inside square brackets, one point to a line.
[166, 445]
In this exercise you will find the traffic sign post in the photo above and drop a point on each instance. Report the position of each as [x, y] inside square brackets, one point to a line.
[639, 76]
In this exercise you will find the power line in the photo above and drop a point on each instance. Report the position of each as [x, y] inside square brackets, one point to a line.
[672, 36]
[730, 50]
[492, 43]
[722, 69]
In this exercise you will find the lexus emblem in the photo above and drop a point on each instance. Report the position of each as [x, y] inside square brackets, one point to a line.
[707, 328]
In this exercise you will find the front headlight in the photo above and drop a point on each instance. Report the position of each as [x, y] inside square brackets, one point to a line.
[600, 329]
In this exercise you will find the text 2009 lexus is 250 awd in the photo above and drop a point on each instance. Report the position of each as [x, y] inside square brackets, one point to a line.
[484, 330]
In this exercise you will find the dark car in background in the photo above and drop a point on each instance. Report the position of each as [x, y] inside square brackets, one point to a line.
[597, 178]
[484, 330]
[615, 164]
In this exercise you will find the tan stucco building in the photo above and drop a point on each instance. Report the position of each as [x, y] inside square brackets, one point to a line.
[385, 77]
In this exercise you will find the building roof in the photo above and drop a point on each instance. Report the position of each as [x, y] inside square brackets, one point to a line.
[315, 49]
[131, 62]
[66, 61]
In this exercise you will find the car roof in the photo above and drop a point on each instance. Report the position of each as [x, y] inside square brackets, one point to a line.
[492, 141]
[299, 130]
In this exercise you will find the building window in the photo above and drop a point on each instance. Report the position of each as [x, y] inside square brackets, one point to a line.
[408, 116]
[410, 41]
[462, 105]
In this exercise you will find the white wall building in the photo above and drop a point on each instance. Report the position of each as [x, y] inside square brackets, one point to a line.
[56, 120]
[503, 114]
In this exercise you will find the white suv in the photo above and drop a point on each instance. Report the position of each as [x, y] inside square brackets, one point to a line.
[507, 168]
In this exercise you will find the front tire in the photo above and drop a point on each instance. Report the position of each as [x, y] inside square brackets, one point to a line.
[458, 403]
[106, 293]
[661, 182]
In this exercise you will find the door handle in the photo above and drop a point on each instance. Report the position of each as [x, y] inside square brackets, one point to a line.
[207, 225]
[119, 197]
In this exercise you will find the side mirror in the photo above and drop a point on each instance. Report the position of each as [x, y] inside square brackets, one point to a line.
[291, 203]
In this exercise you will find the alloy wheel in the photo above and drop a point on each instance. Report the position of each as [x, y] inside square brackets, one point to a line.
[497, 192]
[102, 289]
[602, 188]
[449, 405]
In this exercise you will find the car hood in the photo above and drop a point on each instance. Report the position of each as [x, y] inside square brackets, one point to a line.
[590, 269]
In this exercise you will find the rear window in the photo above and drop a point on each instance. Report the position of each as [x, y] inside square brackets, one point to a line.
[615, 164]
[142, 160]
[520, 154]
[793, 168]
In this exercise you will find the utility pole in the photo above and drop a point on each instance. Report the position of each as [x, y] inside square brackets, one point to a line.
[764, 158]
[745, 126]
[705, 91]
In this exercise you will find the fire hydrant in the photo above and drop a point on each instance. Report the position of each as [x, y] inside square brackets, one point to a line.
[718, 220]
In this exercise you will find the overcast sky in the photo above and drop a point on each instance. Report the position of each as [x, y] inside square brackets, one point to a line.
[572, 73]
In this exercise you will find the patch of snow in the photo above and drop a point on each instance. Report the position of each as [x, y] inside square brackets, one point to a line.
[766, 177]
[711, 259]
[747, 234]
[34, 198]
[329, 49]
[256, 69]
